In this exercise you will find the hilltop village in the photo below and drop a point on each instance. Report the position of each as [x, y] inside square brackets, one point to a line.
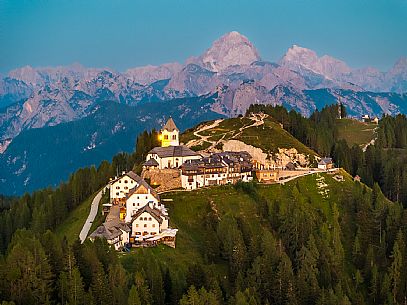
[136, 216]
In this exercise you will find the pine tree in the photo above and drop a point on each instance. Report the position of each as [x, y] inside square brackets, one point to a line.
[396, 270]
[167, 283]
[117, 283]
[142, 288]
[134, 298]
[99, 285]
[308, 274]
[29, 273]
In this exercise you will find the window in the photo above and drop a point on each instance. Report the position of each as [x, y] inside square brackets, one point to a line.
[153, 225]
[117, 194]
[138, 197]
[149, 218]
[166, 137]
[136, 225]
[146, 197]
[125, 181]
[126, 188]
[138, 204]
[174, 137]
[117, 187]
[134, 204]
[145, 225]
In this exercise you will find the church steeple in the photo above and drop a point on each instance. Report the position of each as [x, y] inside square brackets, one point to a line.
[169, 134]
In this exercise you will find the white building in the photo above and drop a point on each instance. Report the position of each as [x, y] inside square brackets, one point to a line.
[141, 196]
[169, 134]
[218, 169]
[171, 156]
[325, 163]
[147, 222]
[116, 233]
[121, 186]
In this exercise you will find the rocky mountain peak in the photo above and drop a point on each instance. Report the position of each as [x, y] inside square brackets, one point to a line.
[298, 57]
[400, 67]
[27, 74]
[299, 54]
[229, 50]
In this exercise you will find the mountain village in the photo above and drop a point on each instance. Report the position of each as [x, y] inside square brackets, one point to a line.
[137, 217]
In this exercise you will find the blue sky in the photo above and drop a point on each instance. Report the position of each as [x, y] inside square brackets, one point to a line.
[128, 33]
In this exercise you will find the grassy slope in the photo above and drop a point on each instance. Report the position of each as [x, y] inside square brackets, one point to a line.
[187, 213]
[356, 132]
[269, 137]
[73, 224]
[188, 135]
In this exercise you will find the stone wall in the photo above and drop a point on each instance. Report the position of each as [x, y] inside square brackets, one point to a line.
[167, 179]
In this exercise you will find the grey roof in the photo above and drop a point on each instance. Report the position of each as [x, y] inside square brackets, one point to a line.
[110, 230]
[117, 223]
[325, 161]
[238, 155]
[131, 174]
[147, 186]
[151, 162]
[240, 160]
[173, 151]
[170, 125]
[290, 165]
[134, 176]
[156, 214]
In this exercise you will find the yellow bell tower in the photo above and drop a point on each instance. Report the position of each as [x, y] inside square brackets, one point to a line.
[169, 134]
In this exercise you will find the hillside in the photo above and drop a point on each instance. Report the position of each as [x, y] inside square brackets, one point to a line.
[355, 132]
[257, 131]
[248, 233]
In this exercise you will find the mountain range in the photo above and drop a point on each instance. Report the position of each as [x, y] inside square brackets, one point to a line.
[225, 79]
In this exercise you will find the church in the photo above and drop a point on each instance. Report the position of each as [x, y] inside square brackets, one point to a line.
[171, 154]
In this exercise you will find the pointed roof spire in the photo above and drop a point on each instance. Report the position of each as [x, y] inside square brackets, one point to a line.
[170, 125]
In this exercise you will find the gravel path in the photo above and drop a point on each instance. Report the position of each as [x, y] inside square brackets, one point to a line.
[201, 138]
[92, 214]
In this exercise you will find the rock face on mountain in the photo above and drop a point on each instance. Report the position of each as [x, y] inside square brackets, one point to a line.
[232, 49]
[304, 60]
[150, 74]
[327, 66]
[192, 79]
[12, 91]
